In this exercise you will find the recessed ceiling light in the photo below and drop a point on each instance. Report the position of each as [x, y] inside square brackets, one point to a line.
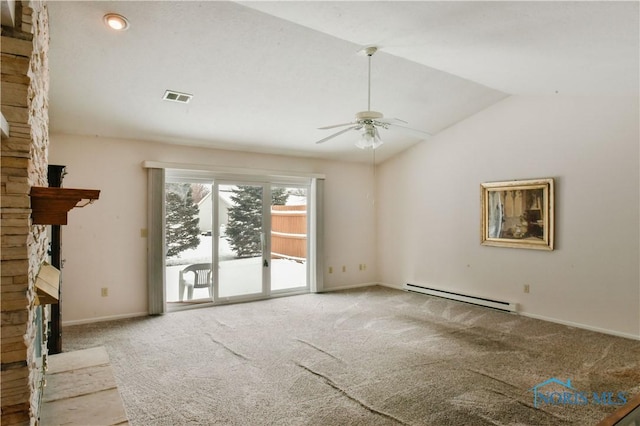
[116, 22]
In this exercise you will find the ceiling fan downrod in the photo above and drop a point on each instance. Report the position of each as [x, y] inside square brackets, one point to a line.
[369, 51]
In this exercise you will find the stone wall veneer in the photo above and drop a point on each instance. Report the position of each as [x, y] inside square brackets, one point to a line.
[24, 160]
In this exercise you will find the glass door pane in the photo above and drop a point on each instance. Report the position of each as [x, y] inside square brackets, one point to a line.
[188, 243]
[240, 241]
[288, 238]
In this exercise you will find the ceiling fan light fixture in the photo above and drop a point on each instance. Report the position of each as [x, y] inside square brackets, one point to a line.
[367, 122]
[369, 138]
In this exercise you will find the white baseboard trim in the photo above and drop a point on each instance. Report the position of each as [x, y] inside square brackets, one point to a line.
[347, 287]
[102, 319]
[393, 286]
[579, 325]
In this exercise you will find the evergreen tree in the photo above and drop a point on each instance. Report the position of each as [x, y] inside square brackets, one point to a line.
[279, 196]
[245, 218]
[182, 230]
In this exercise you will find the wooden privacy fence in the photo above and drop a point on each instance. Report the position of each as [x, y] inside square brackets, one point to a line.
[289, 232]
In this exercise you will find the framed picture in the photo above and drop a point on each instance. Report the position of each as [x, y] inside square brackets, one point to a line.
[518, 214]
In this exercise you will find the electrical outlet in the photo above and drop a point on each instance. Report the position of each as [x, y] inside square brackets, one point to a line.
[144, 233]
[526, 288]
[344, 268]
[331, 269]
[104, 291]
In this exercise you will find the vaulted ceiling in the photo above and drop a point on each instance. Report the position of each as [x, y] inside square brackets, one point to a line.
[265, 75]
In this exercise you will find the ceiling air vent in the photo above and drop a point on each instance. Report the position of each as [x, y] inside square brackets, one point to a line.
[183, 98]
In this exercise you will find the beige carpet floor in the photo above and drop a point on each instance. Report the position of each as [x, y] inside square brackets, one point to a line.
[370, 356]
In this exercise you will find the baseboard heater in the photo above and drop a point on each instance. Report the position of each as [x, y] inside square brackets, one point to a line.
[490, 303]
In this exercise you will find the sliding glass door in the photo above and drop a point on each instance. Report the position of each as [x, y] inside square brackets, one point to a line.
[240, 241]
[188, 241]
[232, 240]
[289, 238]
[260, 241]
[223, 237]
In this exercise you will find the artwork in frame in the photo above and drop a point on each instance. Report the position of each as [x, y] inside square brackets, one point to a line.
[518, 214]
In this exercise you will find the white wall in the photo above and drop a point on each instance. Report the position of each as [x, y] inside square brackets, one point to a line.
[102, 243]
[428, 212]
[429, 209]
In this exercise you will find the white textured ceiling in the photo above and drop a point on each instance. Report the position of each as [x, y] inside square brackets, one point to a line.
[265, 75]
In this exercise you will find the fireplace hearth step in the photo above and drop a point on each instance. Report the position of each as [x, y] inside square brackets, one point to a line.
[81, 390]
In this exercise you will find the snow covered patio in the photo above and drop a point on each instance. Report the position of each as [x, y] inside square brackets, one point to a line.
[236, 276]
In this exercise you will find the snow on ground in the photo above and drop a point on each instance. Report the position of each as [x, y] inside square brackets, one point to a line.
[236, 276]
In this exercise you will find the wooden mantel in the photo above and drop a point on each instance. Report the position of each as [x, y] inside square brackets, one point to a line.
[50, 205]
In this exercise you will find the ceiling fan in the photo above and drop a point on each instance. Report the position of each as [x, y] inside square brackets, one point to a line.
[368, 122]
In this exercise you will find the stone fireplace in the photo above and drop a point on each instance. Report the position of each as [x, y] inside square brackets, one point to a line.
[24, 158]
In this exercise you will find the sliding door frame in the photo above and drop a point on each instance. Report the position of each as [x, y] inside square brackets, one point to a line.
[159, 173]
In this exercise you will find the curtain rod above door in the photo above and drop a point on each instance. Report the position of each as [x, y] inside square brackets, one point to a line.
[225, 170]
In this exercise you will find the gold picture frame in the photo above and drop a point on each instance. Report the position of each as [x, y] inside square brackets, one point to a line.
[518, 214]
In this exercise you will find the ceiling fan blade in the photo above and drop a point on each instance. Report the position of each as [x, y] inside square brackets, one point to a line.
[335, 125]
[391, 120]
[411, 129]
[337, 134]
